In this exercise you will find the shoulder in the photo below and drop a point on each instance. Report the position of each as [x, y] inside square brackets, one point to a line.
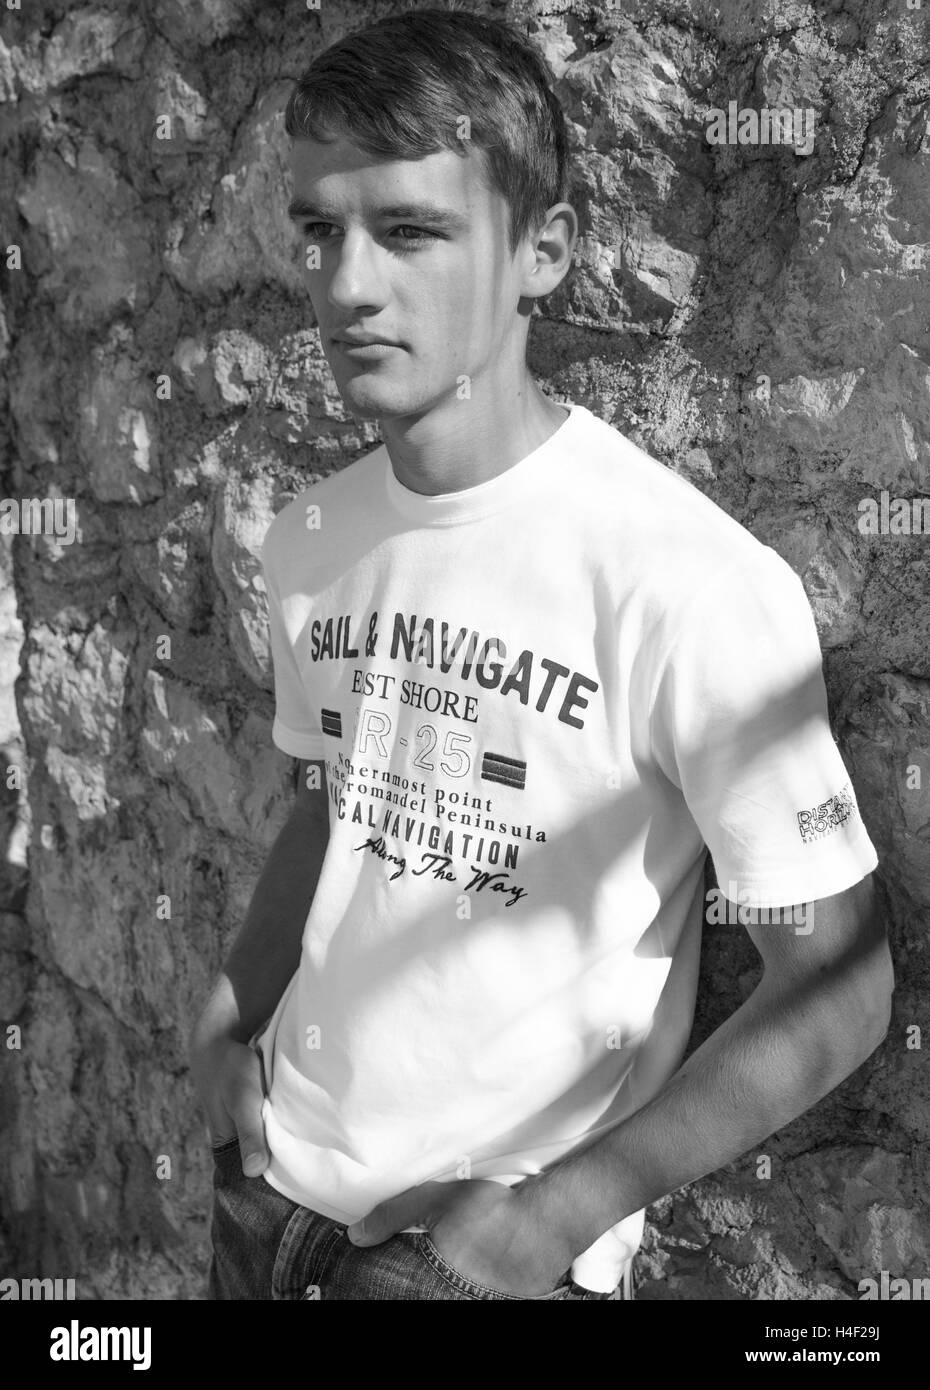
[338, 494]
[675, 539]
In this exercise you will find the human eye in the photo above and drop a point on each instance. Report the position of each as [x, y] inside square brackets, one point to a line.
[314, 230]
[421, 237]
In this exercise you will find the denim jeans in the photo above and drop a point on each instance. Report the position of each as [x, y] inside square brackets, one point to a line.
[267, 1247]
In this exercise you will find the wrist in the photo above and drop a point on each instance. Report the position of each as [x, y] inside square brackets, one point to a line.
[220, 1023]
[208, 1043]
[571, 1204]
[544, 1208]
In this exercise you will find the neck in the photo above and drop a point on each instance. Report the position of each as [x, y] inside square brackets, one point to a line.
[461, 443]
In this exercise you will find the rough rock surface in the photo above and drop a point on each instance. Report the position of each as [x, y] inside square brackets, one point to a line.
[754, 315]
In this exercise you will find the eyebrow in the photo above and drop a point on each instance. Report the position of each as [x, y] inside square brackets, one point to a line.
[299, 208]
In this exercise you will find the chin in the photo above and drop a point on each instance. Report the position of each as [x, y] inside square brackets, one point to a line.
[369, 399]
[362, 409]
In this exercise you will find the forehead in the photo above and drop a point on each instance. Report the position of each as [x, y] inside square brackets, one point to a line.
[341, 177]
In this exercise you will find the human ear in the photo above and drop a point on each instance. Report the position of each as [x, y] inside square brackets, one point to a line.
[549, 251]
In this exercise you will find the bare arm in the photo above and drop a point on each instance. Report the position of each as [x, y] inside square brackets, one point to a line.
[263, 958]
[821, 1007]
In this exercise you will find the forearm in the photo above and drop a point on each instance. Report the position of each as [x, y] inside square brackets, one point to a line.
[266, 951]
[771, 1060]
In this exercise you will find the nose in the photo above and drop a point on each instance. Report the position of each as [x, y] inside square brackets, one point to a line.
[358, 279]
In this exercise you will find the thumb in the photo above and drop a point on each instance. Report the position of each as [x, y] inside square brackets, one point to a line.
[244, 1098]
[247, 1117]
[253, 1149]
[413, 1207]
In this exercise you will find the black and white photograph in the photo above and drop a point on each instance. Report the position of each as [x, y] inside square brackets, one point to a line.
[464, 668]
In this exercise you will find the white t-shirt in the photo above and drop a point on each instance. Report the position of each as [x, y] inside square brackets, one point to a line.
[539, 700]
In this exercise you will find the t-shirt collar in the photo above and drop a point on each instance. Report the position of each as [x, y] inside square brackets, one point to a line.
[471, 503]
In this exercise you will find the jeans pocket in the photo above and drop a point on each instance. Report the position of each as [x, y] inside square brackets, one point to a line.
[470, 1288]
[227, 1165]
[222, 1145]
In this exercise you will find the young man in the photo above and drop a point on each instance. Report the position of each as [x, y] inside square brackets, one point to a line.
[537, 676]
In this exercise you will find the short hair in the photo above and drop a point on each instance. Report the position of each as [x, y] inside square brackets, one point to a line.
[398, 89]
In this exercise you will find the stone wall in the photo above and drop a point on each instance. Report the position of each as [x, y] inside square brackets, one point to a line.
[755, 315]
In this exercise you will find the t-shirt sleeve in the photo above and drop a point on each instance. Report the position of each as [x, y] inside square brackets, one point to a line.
[295, 729]
[740, 725]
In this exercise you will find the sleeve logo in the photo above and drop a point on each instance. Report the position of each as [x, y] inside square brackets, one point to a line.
[828, 816]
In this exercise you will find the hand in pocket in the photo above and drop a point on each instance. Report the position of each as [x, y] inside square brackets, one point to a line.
[228, 1076]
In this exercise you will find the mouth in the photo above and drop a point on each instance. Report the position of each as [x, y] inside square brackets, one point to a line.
[378, 349]
[365, 349]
